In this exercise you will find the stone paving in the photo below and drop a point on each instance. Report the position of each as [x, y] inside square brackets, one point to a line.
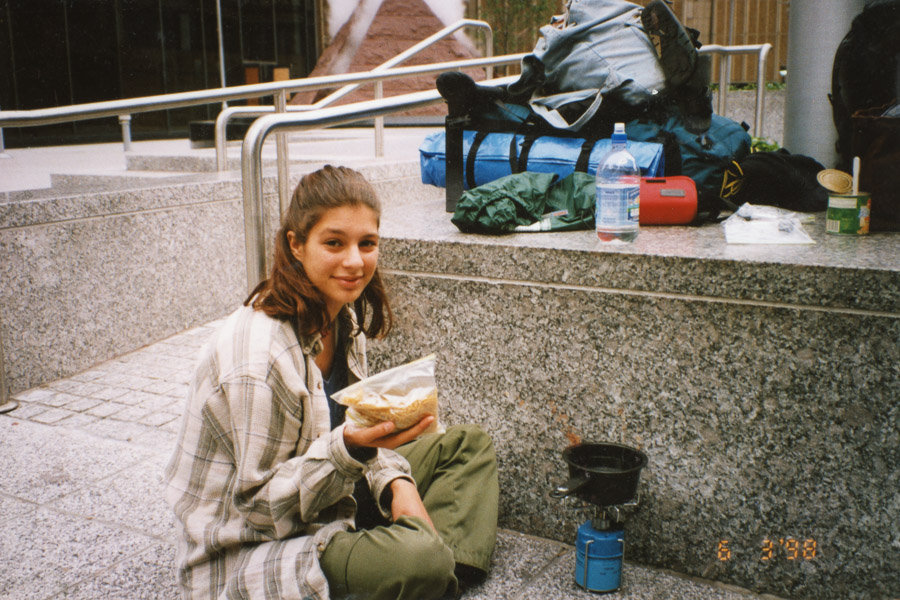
[81, 494]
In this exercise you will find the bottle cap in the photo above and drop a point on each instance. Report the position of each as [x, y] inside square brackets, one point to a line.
[619, 133]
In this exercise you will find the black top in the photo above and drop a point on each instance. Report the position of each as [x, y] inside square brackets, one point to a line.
[337, 380]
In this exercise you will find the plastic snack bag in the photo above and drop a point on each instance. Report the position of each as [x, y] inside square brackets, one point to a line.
[402, 394]
[766, 225]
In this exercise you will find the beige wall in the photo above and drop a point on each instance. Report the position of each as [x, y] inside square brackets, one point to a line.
[755, 22]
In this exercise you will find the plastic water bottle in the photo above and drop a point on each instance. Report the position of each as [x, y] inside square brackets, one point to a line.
[618, 192]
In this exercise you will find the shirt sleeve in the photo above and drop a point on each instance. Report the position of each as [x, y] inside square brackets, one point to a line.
[386, 467]
[274, 487]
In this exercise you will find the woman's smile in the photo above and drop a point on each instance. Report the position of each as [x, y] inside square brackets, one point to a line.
[349, 282]
[340, 254]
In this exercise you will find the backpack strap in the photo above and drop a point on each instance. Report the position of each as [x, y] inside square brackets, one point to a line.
[513, 158]
[470, 159]
[522, 163]
[585, 155]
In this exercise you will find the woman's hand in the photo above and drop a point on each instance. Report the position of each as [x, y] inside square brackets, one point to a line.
[406, 501]
[384, 435]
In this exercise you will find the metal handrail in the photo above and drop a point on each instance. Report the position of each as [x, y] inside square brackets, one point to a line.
[761, 51]
[124, 108]
[114, 108]
[3, 154]
[226, 114]
[251, 151]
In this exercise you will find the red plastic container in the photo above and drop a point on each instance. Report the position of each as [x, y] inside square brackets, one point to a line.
[668, 200]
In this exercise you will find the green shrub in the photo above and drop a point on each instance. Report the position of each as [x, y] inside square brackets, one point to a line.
[763, 145]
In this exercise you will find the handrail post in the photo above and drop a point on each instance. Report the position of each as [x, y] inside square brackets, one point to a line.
[254, 221]
[220, 137]
[125, 123]
[489, 51]
[3, 153]
[6, 404]
[761, 89]
[379, 123]
[724, 82]
[281, 150]
[221, 45]
[761, 51]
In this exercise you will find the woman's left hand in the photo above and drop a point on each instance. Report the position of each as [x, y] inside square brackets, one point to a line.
[406, 501]
[384, 435]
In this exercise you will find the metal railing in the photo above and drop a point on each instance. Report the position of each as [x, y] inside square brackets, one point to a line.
[280, 89]
[3, 154]
[251, 157]
[227, 114]
[315, 83]
[762, 52]
[117, 108]
[124, 108]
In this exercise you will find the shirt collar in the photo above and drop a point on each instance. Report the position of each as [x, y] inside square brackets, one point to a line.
[312, 344]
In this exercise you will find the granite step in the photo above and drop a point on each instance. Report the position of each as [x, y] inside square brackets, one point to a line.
[33, 173]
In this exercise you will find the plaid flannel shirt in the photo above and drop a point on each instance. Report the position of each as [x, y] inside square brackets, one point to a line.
[259, 482]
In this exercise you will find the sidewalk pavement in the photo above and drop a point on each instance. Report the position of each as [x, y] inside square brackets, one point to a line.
[81, 492]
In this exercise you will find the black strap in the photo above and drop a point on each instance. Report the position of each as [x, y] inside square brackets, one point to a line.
[470, 159]
[513, 155]
[522, 163]
[585, 155]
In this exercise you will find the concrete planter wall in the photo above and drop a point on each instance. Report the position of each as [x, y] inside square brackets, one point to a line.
[761, 382]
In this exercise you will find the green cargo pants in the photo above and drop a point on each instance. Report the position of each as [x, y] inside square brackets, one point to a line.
[456, 474]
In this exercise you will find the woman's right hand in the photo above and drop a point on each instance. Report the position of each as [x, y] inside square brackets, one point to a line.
[383, 435]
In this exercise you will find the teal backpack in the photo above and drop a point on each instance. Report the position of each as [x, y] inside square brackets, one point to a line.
[704, 157]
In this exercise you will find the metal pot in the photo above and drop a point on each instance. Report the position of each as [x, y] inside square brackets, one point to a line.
[602, 474]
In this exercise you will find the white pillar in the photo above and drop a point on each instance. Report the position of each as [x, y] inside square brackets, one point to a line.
[816, 29]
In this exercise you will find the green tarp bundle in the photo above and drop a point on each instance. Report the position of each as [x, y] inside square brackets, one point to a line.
[528, 202]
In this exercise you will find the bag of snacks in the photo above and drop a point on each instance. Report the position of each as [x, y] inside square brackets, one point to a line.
[403, 394]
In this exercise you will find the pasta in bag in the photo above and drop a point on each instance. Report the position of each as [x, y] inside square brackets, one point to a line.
[403, 394]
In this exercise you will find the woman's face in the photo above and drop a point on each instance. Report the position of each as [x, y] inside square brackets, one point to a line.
[340, 253]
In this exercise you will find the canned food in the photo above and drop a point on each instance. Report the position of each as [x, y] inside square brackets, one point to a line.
[848, 214]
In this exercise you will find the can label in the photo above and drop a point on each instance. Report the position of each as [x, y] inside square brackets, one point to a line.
[848, 214]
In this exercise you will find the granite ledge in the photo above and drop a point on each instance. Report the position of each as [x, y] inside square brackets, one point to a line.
[836, 273]
[57, 205]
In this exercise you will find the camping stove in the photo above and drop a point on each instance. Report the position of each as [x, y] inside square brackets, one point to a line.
[600, 546]
[604, 478]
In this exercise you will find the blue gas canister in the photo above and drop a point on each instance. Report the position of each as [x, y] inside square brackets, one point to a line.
[598, 558]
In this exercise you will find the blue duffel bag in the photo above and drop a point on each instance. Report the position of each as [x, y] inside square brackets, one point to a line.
[490, 156]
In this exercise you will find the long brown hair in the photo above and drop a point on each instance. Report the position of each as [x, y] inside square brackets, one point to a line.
[288, 293]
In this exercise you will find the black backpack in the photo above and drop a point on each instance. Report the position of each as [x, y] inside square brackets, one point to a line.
[865, 71]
